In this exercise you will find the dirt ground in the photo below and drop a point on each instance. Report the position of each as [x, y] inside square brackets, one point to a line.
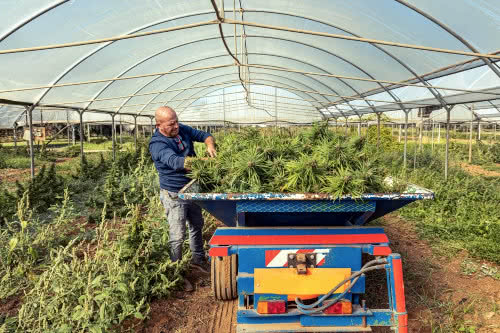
[478, 170]
[440, 297]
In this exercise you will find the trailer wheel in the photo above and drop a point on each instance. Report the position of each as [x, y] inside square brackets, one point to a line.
[223, 276]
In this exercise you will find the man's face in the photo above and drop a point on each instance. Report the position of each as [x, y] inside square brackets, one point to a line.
[169, 125]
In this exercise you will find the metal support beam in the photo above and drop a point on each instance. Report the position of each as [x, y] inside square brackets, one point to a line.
[446, 155]
[439, 132]
[359, 127]
[29, 114]
[421, 131]
[81, 136]
[135, 132]
[88, 132]
[121, 130]
[67, 123]
[15, 135]
[432, 136]
[470, 133]
[113, 135]
[405, 151]
[378, 131]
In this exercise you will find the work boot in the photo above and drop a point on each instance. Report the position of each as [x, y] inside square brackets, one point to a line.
[201, 266]
[188, 286]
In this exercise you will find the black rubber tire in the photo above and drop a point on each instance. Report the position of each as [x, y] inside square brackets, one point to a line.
[223, 275]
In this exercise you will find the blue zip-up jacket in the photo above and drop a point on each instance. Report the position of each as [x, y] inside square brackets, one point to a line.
[168, 155]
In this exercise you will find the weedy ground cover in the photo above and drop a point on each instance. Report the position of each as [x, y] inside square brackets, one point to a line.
[90, 275]
[464, 214]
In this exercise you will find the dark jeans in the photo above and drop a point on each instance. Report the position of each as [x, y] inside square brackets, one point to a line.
[178, 213]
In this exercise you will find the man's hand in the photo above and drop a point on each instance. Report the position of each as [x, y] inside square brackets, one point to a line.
[187, 163]
[210, 143]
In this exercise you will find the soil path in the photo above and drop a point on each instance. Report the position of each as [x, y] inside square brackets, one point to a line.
[476, 170]
[439, 296]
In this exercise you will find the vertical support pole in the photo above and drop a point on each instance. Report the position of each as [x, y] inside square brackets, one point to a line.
[29, 114]
[113, 135]
[378, 131]
[432, 135]
[470, 133]
[121, 129]
[415, 142]
[439, 132]
[67, 123]
[479, 129]
[446, 155]
[421, 134]
[359, 127]
[81, 135]
[88, 132]
[135, 132]
[345, 125]
[73, 135]
[405, 151]
[224, 108]
[15, 135]
[143, 132]
[276, 107]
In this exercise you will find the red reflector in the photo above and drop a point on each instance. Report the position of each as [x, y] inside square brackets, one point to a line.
[343, 307]
[271, 307]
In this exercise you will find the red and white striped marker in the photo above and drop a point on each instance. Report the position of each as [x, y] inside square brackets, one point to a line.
[279, 258]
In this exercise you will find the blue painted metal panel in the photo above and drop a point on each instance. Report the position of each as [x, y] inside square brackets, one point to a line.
[373, 318]
[304, 206]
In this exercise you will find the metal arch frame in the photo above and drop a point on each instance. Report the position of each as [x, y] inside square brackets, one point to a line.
[96, 50]
[400, 1]
[318, 101]
[451, 32]
[133, 31]
[331, 89]
[214, 38]
[436, 94]
[325, 71]
[284, 84]
[150, 57]
[173, 84]
[161, 76]
[284, 39]
[31, 18]
[100, 48]
[283, 87]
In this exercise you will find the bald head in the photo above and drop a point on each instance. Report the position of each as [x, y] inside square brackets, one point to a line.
[166, 121]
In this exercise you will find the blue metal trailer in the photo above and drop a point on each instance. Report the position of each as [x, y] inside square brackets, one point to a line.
[295, 261]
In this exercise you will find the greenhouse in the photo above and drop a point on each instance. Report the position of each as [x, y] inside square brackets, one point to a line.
[307, 101]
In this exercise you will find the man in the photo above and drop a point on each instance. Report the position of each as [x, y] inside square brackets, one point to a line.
[170, 147]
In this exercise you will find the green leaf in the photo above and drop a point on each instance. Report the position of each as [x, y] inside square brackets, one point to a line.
[13, 243]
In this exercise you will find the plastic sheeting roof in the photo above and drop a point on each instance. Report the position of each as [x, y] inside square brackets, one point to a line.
[319, 59]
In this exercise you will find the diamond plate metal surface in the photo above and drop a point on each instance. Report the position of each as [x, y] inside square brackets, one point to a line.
[320, 206]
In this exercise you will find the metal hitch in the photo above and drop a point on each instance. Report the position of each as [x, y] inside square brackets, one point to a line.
[301, 261]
